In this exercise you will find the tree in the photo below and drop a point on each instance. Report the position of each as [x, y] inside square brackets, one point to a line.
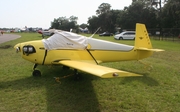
[83, 25]
[64, 23]
[137, 12]
[140, 11]
[171, 14]
[55, 24]
[93, 23]
[103, 8]
[106, 19]
[73, 19]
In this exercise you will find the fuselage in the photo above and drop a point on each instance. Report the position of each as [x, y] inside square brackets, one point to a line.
[97, 51]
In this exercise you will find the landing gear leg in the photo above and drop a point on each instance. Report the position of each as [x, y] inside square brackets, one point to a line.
[34, 67]
[77, 76]
[36, 73]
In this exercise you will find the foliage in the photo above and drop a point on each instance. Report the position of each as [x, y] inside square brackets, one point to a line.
[103, 8]
[171, 14]
[137, 12]
[143, 11]
[83, 25]
[93, 23]
[155, 14]
[64, 23]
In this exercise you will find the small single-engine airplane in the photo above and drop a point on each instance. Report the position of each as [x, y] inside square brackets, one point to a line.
[85, 53]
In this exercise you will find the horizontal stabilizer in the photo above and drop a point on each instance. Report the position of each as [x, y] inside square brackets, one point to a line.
[100, 71]
[146, 49]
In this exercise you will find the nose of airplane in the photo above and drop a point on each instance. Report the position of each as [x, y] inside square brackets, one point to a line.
[17, 47]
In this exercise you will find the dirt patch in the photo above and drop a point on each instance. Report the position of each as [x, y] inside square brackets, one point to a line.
[5, 47]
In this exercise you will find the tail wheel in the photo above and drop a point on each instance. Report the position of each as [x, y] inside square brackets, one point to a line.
[77, 76]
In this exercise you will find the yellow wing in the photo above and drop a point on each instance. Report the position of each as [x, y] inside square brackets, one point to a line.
[100, 71]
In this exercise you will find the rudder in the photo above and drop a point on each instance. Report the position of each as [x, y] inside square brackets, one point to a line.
[142, 37]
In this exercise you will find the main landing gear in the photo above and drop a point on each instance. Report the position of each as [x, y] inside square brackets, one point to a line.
[77, 76]
[36, 73]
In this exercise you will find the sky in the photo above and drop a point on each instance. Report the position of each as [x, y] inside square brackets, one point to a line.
[40, 13]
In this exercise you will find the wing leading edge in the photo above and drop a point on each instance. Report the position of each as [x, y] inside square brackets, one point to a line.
[97, 70]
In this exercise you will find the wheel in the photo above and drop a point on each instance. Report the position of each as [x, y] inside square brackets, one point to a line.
[77, 76]
[120, 38]
[36, 73]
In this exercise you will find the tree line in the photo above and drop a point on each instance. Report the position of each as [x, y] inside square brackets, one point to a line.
[154, 13]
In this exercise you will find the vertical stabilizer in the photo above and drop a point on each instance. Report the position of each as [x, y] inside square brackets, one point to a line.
[142, 39]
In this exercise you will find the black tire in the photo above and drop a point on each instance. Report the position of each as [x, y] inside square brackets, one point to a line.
[77, 76]
[120, 38]
[36, 73]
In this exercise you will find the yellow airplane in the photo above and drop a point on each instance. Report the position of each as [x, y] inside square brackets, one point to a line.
[85, 53]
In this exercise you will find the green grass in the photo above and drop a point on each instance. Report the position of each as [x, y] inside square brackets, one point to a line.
[157, 91]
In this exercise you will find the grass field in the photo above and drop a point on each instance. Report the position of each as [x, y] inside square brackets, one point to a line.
[157, 91]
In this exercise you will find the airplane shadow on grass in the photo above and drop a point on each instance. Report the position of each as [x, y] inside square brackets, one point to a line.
[144, 79]
[69, 95]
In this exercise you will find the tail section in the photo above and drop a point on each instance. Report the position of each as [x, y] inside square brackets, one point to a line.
[142, 40]
[143, 43]
[142, 37]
